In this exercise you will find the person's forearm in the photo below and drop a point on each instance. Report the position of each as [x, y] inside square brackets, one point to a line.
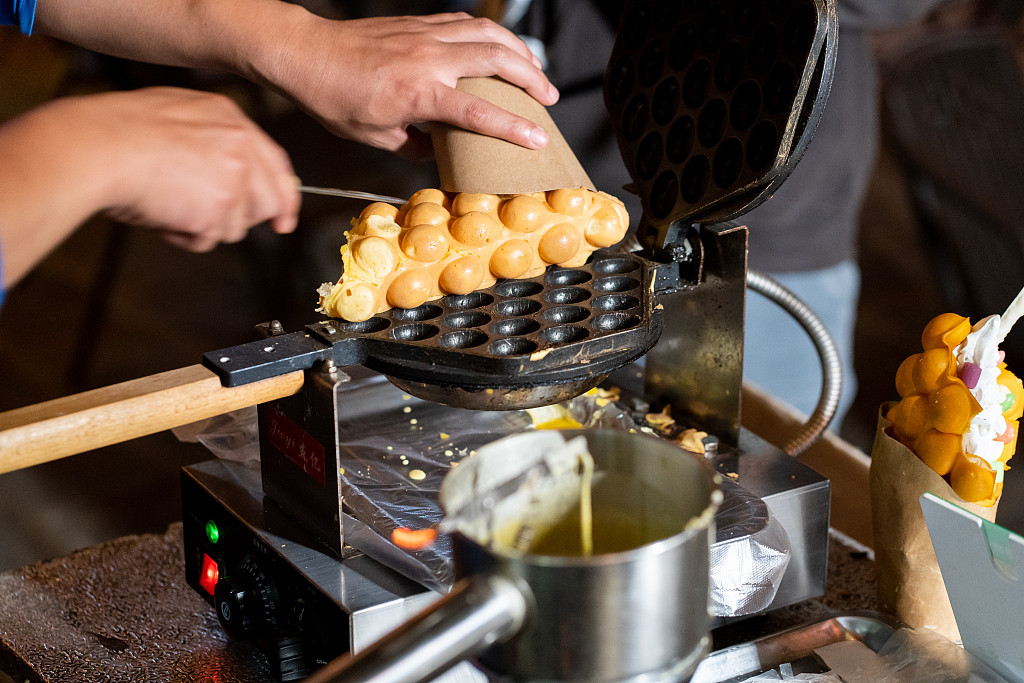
[186, 163]
[48, 187]
[240, 36]
[370, 80]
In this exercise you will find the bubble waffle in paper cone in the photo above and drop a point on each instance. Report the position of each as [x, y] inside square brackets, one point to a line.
[960, 406]
[439, 244]
[910, 584]
[951, 434]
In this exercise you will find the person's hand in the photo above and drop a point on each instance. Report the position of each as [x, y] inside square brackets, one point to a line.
[187, 163]
[371, 79]
[193, 166]
[368, 80]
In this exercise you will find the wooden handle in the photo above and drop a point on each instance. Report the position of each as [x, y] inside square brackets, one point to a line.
[75, 424]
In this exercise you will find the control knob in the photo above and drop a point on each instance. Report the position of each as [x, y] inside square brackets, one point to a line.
[246, 601]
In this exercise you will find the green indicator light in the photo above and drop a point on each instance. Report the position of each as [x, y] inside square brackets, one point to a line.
[212, 532]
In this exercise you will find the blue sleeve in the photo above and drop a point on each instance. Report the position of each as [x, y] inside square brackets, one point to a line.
[20, 13]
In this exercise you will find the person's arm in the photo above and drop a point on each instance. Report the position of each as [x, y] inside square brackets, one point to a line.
[365, 79]
[187, 163]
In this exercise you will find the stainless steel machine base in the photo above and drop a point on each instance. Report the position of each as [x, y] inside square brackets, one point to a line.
[322, 605]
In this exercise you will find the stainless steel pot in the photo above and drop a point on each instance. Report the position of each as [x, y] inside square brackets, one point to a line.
[637, 615]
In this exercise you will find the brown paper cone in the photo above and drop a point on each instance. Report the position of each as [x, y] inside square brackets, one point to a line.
[471, 162]
[909, 581]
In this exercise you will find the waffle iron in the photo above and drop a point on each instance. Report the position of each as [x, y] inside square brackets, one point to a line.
[519, 344]
[713, 104]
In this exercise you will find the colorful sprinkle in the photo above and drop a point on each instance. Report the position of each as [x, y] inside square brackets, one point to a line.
[970, 373]
[1007, 403]
[1005, 437]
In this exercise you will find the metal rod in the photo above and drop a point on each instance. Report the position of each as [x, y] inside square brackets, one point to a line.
[351, 194]
[479, 611]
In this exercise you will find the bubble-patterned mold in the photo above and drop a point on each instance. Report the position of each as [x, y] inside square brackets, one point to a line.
[466, 319]
[465, 301]
[515, 317]
[414, 332]
[703, 95]
[551, 329]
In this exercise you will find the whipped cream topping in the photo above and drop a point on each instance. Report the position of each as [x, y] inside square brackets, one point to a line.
[982, 348]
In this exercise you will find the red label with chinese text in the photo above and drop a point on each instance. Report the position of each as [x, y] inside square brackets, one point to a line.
[297, 445]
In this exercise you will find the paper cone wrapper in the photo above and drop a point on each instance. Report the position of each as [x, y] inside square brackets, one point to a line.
[910, 583]
[471, 162]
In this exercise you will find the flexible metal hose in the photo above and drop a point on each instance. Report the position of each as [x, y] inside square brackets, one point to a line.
[831, 368]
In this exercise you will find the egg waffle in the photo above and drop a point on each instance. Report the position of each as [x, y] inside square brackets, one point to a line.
[440, 243]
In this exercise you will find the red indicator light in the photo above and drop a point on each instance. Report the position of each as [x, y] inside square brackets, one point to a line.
[209, 574]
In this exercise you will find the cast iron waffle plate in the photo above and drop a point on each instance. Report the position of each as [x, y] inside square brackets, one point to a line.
[713, 103]
[551, 329]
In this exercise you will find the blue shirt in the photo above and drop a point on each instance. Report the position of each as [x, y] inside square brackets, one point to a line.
[20, 13]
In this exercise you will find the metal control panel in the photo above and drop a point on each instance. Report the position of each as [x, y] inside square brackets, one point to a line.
[273, 584]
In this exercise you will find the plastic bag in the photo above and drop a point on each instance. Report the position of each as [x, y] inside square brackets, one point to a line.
[914, 656]
[395, 452]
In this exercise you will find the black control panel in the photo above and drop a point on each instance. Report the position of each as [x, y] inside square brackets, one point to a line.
[258, 595]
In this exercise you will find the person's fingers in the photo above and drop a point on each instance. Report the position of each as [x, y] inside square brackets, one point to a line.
[188, 241]
[275, 192]
[480, 30]
[262, 199]
[477, 114]
[443, 17]
[492, 59]
[230, 221]
[291, 199]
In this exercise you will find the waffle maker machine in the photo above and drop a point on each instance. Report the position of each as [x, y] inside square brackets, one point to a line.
[713, 104]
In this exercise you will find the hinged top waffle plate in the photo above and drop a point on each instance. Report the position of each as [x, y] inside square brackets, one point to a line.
[713, 103]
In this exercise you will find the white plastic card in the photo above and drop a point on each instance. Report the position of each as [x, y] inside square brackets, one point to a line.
[983, 568]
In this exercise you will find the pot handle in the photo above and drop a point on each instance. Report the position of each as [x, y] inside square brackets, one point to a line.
[478, 612]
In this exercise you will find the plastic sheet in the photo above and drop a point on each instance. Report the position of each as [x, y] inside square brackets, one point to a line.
[912, 656]
[231, 436]
[394, 456]
[784, 676]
